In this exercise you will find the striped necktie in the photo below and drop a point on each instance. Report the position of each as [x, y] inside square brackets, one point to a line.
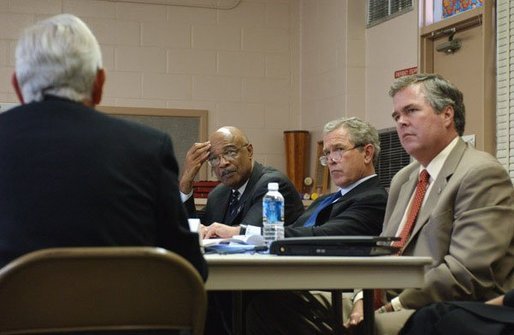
[233, 204]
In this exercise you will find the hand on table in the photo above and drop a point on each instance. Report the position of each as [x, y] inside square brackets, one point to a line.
[218, 230]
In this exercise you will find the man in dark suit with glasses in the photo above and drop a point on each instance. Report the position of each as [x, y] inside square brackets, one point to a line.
[350, 150]
[236, 203]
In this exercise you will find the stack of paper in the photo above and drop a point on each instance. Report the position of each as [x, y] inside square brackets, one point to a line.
[236, 244]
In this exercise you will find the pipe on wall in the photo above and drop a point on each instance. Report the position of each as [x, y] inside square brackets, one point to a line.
[215, 4]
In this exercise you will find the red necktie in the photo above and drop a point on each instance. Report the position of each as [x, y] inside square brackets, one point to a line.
[415, 206]
[421, 189]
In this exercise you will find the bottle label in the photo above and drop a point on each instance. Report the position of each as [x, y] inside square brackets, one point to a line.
[273, 211]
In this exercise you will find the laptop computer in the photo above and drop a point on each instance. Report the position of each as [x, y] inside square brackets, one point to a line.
[335, 246]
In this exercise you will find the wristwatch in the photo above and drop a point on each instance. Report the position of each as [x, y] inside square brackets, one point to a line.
[242, 229]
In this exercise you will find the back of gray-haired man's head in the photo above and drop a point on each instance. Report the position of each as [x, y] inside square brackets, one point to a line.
[58, 56]
[360, 132]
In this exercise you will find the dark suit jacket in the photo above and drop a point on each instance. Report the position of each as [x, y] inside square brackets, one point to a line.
[358, 212]
[71, 176]
[250, 202]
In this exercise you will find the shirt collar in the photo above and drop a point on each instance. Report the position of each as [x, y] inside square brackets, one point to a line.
[350, 187]
[436, 164]
[242, 189]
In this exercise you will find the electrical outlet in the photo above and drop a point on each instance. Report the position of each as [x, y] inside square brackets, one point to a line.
[470, 139]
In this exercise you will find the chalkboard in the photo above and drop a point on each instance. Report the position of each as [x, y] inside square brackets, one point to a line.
[185, 126]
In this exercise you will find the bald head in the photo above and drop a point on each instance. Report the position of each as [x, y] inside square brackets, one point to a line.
[229, 133]
[235, 156]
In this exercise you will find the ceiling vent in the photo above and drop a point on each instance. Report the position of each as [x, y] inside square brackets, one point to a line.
[216, 4]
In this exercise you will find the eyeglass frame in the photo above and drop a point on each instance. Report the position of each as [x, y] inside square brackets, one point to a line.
[323, 160]
[226, 155]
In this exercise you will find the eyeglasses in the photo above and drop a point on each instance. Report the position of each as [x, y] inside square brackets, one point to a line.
[335, 155]
[229, 155]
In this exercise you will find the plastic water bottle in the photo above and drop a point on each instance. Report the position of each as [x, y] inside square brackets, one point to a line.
[273, 214]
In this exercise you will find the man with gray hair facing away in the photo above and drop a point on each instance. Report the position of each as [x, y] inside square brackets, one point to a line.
[72, 176]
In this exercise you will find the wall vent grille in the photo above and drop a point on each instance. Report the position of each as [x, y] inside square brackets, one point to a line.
[383, 10]
[392, 156]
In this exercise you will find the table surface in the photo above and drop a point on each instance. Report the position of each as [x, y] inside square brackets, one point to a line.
[270, 272]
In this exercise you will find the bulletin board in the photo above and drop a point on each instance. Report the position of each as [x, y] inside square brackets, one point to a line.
[185, 126]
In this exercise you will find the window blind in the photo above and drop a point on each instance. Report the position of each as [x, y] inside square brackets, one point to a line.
[382, 10]
[505, 85]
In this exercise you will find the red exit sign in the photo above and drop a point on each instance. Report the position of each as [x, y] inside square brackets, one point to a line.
[405, 72]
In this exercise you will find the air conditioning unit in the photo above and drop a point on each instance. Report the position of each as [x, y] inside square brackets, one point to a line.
[216, 4]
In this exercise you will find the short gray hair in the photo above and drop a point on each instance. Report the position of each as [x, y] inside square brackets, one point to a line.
[360, 132]
[58, 56]
[439, 93]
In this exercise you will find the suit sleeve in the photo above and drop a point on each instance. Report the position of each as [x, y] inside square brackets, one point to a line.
[190, 207]
[172, 227]
[479, 243]
[361, 215]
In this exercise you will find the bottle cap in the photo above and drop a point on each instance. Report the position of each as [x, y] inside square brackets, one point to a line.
[273, 186]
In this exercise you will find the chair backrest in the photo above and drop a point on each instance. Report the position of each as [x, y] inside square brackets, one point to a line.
[101, 289]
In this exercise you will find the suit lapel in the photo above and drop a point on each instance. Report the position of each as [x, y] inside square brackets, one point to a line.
[221, 202]
[254, 177]
[404, 195]
[326, 212]
[244, 204]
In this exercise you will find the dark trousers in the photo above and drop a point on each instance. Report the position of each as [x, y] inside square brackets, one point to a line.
[219, 313]
[458, 319]
[287, 313]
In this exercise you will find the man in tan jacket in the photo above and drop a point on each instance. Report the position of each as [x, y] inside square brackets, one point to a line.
[465, 221]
